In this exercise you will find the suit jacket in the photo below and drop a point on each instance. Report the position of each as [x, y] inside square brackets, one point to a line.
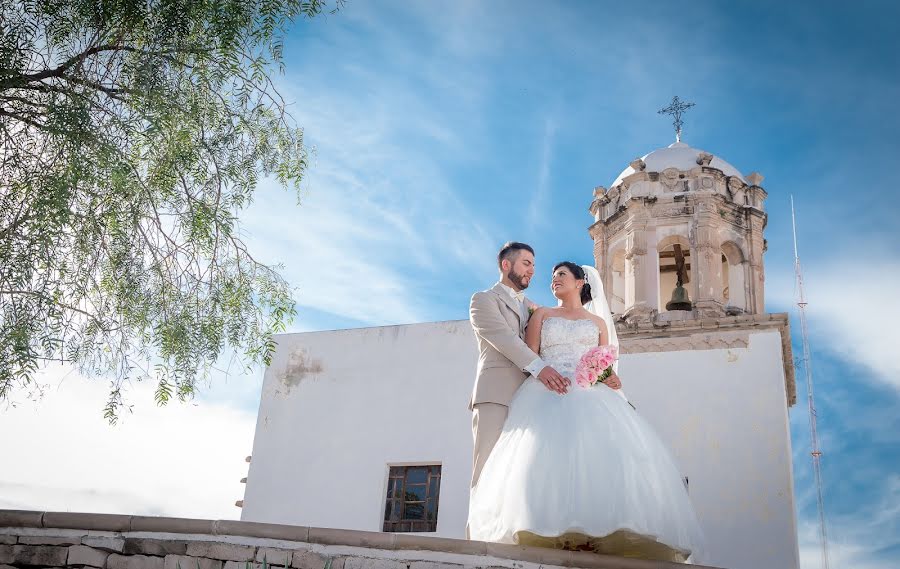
[502, 354]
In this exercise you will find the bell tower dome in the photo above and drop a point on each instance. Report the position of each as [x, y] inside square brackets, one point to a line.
[679, 235]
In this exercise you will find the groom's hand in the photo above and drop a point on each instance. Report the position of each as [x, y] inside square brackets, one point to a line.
[553, 380]
[613, 381]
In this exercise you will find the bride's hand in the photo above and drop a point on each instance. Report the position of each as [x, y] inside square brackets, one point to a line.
[553, 381]
[613, 381]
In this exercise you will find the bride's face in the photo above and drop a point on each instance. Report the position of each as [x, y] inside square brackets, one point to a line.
[564, 283]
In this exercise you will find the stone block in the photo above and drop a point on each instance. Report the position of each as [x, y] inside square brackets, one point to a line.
[302, 559]
[223, 551]
[369, 563]
[172, 525]
[111, 544]
[7, 540]
[161, 547]
[99, 522]
[189, 562]
[43, 555]
[20, 519]
[257, 529]
[413, 542]
[49, 540]
[84, 555]
[433, 565]
[369, 539]
[274, 556]
[242, 565]
[116, 561]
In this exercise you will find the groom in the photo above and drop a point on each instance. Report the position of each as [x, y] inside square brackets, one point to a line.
[499, 316]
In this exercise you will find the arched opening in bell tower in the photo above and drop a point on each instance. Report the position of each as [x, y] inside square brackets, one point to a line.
[734, 276]
[674, 267]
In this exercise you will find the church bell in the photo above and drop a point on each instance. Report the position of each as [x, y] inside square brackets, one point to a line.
[680, 300]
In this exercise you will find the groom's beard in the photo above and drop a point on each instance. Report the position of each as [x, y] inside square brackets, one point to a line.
[518, 280]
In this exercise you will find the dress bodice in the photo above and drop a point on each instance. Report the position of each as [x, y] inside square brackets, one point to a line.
[564, 341]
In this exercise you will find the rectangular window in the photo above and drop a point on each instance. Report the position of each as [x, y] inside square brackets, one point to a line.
[411, 504]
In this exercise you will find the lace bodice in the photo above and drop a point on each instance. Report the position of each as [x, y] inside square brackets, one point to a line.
[563, 342]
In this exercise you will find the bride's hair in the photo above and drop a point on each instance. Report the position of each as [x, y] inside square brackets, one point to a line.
[578, 273]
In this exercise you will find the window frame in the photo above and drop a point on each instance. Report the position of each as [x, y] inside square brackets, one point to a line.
[395, 500]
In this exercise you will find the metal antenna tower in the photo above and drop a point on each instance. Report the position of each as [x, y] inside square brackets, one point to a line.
[816, 453]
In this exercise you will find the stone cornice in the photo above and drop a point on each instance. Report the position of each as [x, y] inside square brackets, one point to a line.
[362, 544]
[710, 333]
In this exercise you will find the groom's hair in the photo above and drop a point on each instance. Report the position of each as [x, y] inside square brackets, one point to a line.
[511, 251]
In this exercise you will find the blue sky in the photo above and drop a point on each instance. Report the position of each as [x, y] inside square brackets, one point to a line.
[442, 130]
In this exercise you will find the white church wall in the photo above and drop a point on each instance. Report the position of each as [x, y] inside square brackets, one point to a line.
[338, 407]
[723, 415]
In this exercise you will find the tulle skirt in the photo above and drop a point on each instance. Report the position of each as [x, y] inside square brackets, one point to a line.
[583, 471]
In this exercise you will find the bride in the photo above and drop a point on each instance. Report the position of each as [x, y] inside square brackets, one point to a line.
[581, 470]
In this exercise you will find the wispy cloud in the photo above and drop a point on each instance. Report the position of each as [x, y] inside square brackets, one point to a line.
[865, 539]
[851, 310]
[538, 208]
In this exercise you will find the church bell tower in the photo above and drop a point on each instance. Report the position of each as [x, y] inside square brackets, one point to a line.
[679, 235]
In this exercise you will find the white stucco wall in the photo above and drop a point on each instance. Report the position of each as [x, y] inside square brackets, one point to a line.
[723, 415]
[338, 407]
[391, 395]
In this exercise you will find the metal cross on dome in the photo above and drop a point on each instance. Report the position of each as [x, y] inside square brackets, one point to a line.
[675, 109]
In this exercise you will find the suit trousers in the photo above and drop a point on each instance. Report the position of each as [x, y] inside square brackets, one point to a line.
[487, 424]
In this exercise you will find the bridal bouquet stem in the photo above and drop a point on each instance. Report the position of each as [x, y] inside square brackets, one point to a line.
[595, 366]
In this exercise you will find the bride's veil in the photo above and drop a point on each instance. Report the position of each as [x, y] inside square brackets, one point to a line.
[600, 306]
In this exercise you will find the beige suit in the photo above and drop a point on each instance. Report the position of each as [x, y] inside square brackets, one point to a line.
[499, 326]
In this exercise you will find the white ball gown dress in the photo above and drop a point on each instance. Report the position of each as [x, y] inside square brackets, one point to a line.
[582, 470]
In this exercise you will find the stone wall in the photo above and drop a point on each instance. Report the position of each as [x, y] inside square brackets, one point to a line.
[31, 540]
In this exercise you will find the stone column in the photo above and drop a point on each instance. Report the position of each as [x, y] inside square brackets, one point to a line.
[756, 274]
[651, 270]
[709, 262]
[601, 254]
[640, 266]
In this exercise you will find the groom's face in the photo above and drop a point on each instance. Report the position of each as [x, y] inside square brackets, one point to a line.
[522, 269]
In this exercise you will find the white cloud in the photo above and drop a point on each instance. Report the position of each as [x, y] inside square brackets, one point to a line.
[853, 540]
[539, 206]
[853, 309]
[379, 215]
[180, 460]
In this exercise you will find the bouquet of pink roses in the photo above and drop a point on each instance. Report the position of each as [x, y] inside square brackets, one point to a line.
[595, 365]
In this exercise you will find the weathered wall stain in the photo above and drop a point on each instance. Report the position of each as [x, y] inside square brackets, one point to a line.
[300, 366]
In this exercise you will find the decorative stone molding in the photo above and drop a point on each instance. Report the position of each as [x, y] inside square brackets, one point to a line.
[633, 336]
[638, 165]
[670, 179]
[673, 211]
[755, 178]
[704, 158]
[701, 341]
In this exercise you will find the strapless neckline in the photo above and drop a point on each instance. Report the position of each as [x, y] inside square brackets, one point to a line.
[572, 320]
[564, 340]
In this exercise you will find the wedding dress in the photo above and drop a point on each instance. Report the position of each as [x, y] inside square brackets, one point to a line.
[582, 470]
